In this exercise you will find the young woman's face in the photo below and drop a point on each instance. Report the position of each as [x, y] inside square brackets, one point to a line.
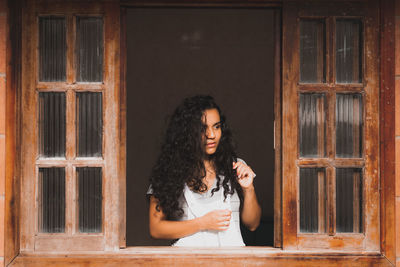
[212, 133]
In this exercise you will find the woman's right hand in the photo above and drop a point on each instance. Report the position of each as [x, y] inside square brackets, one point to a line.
[161, 228]
[216, 220]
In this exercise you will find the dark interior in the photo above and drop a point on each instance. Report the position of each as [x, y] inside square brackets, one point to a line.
[173, 53]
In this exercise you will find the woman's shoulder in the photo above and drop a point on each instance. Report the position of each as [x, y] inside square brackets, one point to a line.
[150, 190]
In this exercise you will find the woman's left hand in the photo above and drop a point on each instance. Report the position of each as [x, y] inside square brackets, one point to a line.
[245, 174]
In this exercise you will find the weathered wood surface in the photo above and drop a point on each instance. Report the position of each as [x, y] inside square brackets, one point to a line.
[12, 159]
[278, 131]
[111, 133]
[290, 77]
[71, 240]
[371, 175]
[206, 3]
[175, 257]
[293, 12]
[28, 129]
[122, 120]
[387, 130]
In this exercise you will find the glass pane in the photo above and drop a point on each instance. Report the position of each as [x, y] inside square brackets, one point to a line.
[312, 51]
[90, 124]
[349, 125]
[90, 199]
[349, 200]
[51, 200]
[348, 51]
[312, 125]
[312, 200]
[52, 124]
[89, 34]
[52, 49]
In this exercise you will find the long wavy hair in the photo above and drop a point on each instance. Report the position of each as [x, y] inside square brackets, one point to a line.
[182, 156]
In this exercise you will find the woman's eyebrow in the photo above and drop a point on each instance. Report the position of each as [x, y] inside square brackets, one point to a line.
[217, 123]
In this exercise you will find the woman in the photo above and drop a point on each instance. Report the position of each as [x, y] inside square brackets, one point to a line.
[198, 186]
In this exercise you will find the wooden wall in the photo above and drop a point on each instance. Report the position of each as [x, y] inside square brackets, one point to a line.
[397, 130]
[3, 29]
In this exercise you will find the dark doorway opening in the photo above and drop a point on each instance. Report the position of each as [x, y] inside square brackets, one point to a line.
[173, 53]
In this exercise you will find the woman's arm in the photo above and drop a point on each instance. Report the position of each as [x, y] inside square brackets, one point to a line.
[251, 211]
[161, 228]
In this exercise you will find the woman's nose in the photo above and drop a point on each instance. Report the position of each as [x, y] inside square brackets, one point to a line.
[210, 134]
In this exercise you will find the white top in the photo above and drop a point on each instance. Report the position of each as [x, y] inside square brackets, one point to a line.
[196, 204]
[199, 204]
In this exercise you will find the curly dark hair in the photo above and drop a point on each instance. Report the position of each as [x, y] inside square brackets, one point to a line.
[182, 156]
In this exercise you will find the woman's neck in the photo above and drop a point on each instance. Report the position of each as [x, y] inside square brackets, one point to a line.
[210, 173]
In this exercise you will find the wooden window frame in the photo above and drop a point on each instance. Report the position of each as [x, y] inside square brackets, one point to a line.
[368, 240]
[71, 239]
[166, 255]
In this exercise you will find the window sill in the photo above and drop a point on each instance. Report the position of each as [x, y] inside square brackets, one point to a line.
[243, 256]
[201, 251]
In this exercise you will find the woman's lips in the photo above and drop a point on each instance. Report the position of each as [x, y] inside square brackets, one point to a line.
[211, 145]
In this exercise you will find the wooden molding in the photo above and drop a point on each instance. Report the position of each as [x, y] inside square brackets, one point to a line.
[387, 130]
[122, 147]
[187, 257]
[12, 164]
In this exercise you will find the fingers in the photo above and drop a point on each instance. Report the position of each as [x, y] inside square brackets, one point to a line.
[224, 219]
[242, 170]
[218, 219]
[223, 228]
[224, 225]
[226, 212]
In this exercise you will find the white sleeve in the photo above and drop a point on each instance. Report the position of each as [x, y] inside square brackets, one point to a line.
[150, 190]
[240, 160]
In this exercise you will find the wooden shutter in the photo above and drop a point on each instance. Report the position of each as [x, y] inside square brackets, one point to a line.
[70, 132]
[330, 126]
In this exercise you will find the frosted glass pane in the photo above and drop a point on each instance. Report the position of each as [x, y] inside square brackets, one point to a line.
[51, 200]
[312, 200]
[312, 125]
[52, 124]
[90, 124]
[348, 51]
[312, 51]
[52, 49]
[89, 32]
[349, 200]
[90, 199]
[349, 125]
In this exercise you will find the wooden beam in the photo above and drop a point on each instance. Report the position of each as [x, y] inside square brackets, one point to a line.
[28, 111]
[190, 259]
[200, 3]
[290, 77]
[122, 144]
[111, 217]
[12, 164]
[278, 130]
[387, 129]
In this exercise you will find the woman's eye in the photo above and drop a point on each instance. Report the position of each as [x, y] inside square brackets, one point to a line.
[217, 126]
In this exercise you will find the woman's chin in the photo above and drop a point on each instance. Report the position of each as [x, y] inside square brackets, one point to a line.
[210, 152]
